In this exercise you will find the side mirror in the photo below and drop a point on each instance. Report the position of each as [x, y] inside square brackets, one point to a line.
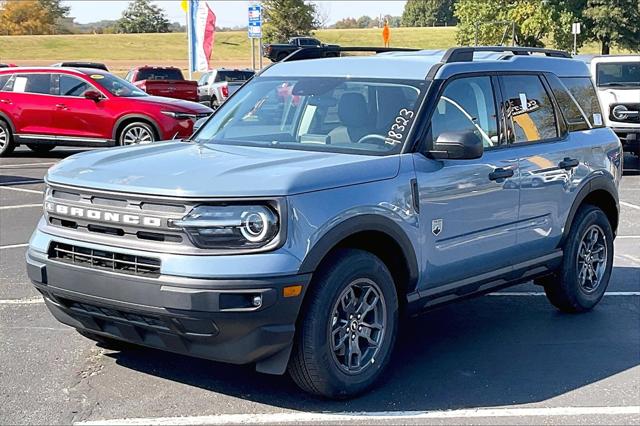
[457, 146]
[93, 95]
[199, 123]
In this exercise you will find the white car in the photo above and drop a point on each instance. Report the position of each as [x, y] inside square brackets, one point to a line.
[617, 79]
[215, 86]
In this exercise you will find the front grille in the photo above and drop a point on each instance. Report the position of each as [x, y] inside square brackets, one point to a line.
[115, 314]
[105, 260]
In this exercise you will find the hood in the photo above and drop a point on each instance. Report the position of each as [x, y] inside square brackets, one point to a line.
[184, 169]
[177, 104]
[618, 95]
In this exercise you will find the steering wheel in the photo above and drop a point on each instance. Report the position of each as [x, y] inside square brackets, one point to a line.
[375, 136]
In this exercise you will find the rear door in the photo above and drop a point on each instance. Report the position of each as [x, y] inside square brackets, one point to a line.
[77, 117]
[468, 208]
[552, 160]
[29, 95]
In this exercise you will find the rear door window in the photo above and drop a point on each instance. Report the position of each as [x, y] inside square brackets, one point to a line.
[583, 91]
[529, 111]
[33, 83]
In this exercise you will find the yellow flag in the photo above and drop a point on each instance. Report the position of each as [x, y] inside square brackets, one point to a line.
[184, 4]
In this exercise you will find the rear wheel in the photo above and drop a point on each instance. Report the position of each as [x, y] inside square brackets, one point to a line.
[349, 326]
[6, 139]
[136, 133]
[587, 263]
[40, 148]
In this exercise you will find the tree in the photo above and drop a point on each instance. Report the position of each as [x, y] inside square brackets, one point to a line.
[54, 8]
[287, 18]
[143, 17]
[364, 21]
[427, 13]
[491, 22]
[614, 22]
[346, 23]
[25, 17]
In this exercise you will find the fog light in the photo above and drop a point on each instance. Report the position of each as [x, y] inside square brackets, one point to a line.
[257, 301]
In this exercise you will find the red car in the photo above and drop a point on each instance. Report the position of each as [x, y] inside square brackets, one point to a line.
[163, 81]
[48, 107]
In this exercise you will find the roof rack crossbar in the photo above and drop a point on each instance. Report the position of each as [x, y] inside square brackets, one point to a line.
[334, 51]
[465, 54]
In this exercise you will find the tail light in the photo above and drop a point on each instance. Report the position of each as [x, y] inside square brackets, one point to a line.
[225, 91]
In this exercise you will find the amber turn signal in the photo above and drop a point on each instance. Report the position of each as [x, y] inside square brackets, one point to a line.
[292, 291]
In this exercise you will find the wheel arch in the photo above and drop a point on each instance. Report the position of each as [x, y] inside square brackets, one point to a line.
[129, 118]
[601, 192]
[4, 117]
[377, 234]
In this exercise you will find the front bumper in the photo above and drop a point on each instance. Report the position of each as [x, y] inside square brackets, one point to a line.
[630, 138]
[205, 318]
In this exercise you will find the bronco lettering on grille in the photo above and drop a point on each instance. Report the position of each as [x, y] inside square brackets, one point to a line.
[103, 216]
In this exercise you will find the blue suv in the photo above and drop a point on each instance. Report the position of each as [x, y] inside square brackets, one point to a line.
[328, 198]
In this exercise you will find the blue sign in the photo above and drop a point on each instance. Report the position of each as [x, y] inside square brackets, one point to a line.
[255, 21]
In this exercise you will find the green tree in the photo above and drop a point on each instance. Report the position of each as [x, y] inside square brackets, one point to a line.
[54, 8]
[143, 17]
[427, 13]
[346, 23]
[287, 18]
[492, 21]
[364, 21]
[614, 22]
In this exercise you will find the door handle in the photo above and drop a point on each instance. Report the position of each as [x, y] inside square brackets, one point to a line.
[500, 174]
[61, 106]
[568, 163]
[5, 101]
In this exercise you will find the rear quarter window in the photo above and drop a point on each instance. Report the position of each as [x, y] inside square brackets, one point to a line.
[585, 94]
[573, 114]
[4, 78]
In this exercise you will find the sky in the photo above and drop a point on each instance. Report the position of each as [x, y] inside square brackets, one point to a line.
[229, 13]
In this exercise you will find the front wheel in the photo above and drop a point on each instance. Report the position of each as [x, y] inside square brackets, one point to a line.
[349, 326]
[587, 263]
[136, 133]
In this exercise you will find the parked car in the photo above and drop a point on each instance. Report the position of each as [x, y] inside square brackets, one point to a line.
[48, 107]
[7, 65]
[617, 79]
[76, 64]
[214, 87]
[164, 81]
[277, 52]
[294, 234]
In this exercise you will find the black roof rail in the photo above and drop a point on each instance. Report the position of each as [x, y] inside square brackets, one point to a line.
[316, 52]
[465, 54]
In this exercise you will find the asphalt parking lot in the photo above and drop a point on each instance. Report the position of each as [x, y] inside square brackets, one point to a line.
[504, 358]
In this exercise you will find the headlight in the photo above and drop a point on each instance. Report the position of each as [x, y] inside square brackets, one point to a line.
[619, 112]
[180, 115]
[230, 226]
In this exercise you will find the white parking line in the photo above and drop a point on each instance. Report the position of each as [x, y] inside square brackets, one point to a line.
[31, 191]
[17, 166]
[20, 206]
[633, 206]
[26, 301]
[10, 246]
[368, 417]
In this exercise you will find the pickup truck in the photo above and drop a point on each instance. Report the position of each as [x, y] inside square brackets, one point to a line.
[164, 81]
[215, 86]
[277, 52]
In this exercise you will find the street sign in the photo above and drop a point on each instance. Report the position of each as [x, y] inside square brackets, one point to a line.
[255, 21]
[575, 28]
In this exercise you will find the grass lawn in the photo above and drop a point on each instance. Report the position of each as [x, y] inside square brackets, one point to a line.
[122, 51]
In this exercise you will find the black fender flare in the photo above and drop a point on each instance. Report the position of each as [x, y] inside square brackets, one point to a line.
[357, 224]
[142, 117]
[6, 119]
[595, 183]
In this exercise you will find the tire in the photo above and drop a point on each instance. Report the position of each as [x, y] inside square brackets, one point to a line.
[40, 148]
[314, 366]
[7, 144]
[576, 287]
[214, 104]
[105, 342]
[135, 133]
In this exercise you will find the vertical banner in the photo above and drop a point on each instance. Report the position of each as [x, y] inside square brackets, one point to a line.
[202, 31]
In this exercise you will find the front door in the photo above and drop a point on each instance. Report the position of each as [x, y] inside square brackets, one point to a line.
[468, 208]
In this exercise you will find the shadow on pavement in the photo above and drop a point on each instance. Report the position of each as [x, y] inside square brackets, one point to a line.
[488, 351]
[56, 153]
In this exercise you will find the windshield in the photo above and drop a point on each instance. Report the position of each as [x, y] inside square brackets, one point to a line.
[618, 74]
[318, 114]
[117, 86]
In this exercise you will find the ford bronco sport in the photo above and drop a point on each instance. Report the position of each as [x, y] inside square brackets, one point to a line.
[328, 198]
